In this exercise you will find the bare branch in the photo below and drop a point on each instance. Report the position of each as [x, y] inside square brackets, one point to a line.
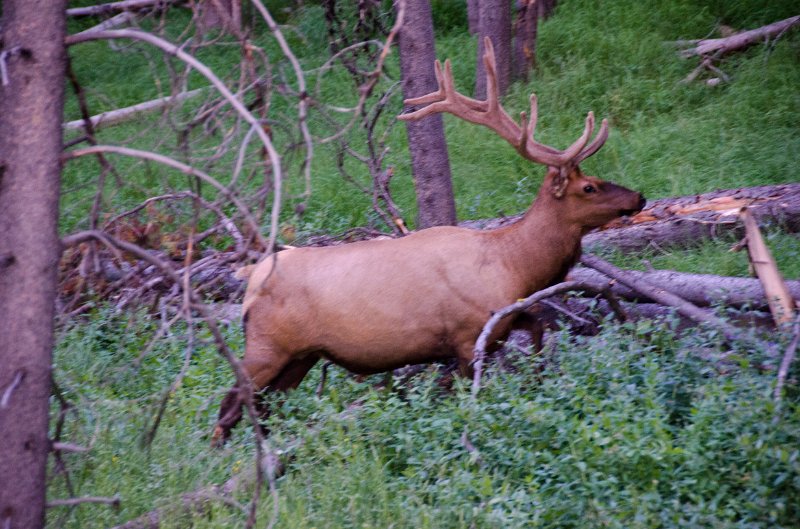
[171, 49]
[125, 5]
[114, 501]
[515, 308]
[302, 106]
[186, 169]
[114, 117]
[372, 79]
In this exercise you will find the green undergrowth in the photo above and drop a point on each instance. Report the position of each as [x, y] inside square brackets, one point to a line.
[635, 427]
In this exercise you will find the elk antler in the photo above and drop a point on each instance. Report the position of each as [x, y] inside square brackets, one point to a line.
[492, 115]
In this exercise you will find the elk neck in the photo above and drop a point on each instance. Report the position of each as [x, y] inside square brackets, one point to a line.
[543, 245]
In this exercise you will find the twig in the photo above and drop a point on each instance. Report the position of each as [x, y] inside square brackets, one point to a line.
[372, 79]
[113, 22]
[71, 502]
[19, 376]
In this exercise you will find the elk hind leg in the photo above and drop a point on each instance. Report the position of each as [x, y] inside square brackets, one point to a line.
[261, 372]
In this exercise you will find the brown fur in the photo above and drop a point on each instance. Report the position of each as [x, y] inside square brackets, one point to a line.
[377, 305]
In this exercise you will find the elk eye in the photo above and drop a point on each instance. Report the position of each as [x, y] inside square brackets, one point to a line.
[589, 189]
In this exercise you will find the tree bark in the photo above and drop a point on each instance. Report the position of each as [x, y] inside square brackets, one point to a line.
[31, 107]
[495, 23]
[426, 140]
[473, 16]
[224, 15]
[525, 31]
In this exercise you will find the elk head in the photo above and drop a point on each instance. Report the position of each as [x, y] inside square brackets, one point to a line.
[584, 199]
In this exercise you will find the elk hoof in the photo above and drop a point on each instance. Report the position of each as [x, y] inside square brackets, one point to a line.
[219, 437]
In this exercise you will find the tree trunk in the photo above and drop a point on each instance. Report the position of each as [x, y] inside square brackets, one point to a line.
[31, 107]
[473, 16]
[426, 141]
[225, 15]
[495, 23]
[525, 30]
[545, 8]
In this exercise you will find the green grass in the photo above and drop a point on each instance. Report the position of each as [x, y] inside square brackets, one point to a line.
[716, 257]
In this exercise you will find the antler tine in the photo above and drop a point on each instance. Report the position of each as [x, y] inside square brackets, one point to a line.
[490, 68]
[571, 152]
[440, 95]
[598, 142]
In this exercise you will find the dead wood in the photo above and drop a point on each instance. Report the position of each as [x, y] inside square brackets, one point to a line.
[687, 221]
[662, 296]
[780, 300]
[116, 21]
[740, 40]
[120, 115]
[703, 290]
[482, 342]
[786, 362]
[116, 7]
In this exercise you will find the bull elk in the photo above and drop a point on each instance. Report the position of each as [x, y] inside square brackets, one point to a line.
[377, 305]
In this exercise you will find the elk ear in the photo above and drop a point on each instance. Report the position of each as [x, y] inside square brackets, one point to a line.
[559, 181]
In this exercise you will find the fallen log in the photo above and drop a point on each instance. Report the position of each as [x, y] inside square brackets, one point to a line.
[687, 221]
[703, 290]
[663, 297]
[740, 40]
